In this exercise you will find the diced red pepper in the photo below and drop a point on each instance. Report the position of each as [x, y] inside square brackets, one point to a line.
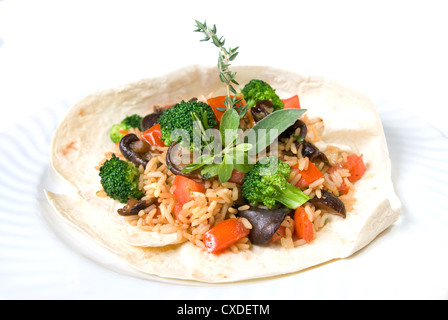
[184, 188]
[224, 234]
[302, 225]
[153, 136]
[218, 103]
[292, 103]
[356, 167]
[237, 177]
[177, 209]
[215, 103]
[279, 234]
[343, 188]
[311, 174]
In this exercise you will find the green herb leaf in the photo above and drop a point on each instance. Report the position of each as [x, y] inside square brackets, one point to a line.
[264, 133]
[224, 59]
[223, 78]
[241, 162]
[199, 130]
[242, 111]
[199, 163]
[226, 168]
[210, 171]
[230, 123]
[243, 147]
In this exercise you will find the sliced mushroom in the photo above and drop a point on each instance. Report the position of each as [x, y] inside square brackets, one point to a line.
[264, 222]
[126, 148]
[331, 203]
[133, 207]
[195, 175]
[292, 130]
[240, 200]
[259, 111]
[312, 152]
[150, 120]
[140, 146]
[308, 149]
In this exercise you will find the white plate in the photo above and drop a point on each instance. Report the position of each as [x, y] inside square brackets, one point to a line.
[42, 259]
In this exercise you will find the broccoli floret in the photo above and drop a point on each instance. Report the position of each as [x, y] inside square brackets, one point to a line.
[266, 184]
[115, 134]
[133, 121]
[182, 116]
[258, 90]
[120, 179]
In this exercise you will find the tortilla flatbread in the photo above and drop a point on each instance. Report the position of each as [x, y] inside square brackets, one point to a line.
[351, 122]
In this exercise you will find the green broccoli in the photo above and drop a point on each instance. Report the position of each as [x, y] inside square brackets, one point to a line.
[133, 121]
[182, 116]
[266, 184]
[120, 179]
[258, 90]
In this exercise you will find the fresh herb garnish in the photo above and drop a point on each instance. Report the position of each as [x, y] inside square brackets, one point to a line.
[225, 57]
[267, 130]
[230, 123]
[233, 153]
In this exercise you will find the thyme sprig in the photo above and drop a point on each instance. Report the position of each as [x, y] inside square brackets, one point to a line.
[225, 57]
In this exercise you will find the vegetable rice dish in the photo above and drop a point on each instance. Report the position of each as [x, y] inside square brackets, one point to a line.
[286, 207]
[224, 174]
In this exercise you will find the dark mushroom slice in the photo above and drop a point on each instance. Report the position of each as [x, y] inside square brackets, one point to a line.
[265, 222]
[259, 111]
[330, 203]
[133, 206]
[140, 146]
[240, 201]
[177, 170]
[292, 130]
[126, 148]
[312, 152]
[151, 120]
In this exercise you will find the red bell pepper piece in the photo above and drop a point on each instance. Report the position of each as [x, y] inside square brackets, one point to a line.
[217, 103]
[303, 226]
[153, 136]
[311, 174]
[184, 188]
[356, 167]
[237, 177]
[224, 234]
[218, 106]
[292, 103]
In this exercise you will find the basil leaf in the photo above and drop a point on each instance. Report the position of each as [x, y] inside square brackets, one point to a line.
[230, 123]
[199, 163]
[243, 147]
[264, 133]
[192, 167]
[241, 162]
[210, 171]
[226, 168]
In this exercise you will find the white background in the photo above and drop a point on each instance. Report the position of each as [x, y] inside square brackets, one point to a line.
[52, 52]
[58, 50]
